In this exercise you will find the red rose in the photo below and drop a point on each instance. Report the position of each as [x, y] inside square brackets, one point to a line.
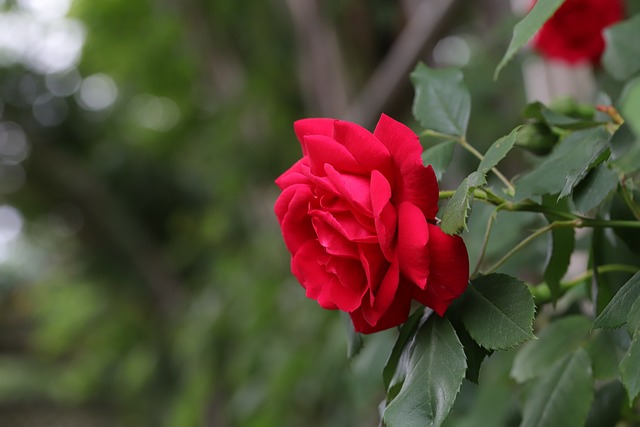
[574, 33]
[357, 213]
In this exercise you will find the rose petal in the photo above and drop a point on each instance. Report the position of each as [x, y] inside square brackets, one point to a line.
[449, 270]
[292, 210]
[368, 151]
[354, 189]
[396, 314]
[384, 214]
[333, 241]
[413, 235]
[294, 175]
[346, 224]
[323, 150]
[381, 297]
[333, 282]
[401, 141]
[314, 126]
[374, 263]
[416, 184]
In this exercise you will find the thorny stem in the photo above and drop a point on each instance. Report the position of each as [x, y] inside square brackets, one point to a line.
[542, 293]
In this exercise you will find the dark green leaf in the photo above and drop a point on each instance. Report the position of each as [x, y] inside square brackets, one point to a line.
[406, 333]
[442, 102]
[354, 339]
[605, 410]
[630, 369]
[526, 28]
[474, 354]
[633, 319]
[596, 186]
[616, 312]
[561, 245]
[498, 151]
[622, 141]
[630, 104]
[555, 341]
[621, 57]
[570, 160]
[498, 311]
[436, 370]
[454, 217]
[561, 397]
[439, 157]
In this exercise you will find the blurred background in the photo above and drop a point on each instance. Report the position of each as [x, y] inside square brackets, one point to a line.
[143, 279]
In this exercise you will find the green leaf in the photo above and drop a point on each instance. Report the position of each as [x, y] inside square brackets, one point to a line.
[439, 157]
[605, 354]
[561, 245]
[616, 312]
[498, 151]
[630, 104]
[621, 57]
[406, 333]
[630, 369]
[354, 339]
[595, 187]
[536, 137]
[570, 160]
[622, 141]
[555, 341]
[454, 217]
[562, 396]
[539, 111]
[561, 242]
[498, 311]
[526, 28]
[442, 102]
[436, 369]
[633, 319]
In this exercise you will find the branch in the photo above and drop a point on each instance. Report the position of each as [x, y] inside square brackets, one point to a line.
[321, 69]
[420, 32]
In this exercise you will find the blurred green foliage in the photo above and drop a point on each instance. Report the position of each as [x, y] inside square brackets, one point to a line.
[150, 285]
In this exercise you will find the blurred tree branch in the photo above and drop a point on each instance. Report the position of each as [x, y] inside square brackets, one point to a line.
[321, 69]
[421, 31]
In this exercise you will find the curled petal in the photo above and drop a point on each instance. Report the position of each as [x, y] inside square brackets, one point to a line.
[413, 235]
[293, 175]
[384, 214]
[323, 150]
[415, 183]
[368, 151]
[306, 127]
[346, 224]
[292, 210]
[355, 189]
[449, 270]
[334, 283]
[396, 314]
